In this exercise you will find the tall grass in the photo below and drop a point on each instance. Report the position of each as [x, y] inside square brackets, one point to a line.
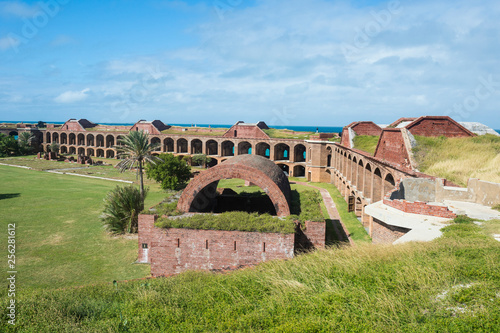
[458, 159]
[449, 285]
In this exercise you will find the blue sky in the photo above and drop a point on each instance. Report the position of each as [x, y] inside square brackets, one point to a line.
[292, 62]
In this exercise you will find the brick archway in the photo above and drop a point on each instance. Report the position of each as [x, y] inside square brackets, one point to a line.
[256, 169]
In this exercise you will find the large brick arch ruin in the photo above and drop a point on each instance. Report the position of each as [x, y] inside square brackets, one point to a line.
[202, 190]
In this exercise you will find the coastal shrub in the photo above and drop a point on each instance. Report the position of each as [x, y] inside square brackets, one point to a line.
[169, 171]
[121, 209]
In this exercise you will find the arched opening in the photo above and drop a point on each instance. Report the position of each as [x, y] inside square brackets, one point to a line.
[90, 152]
[377, 185]
[212, 148]
[285, 168]
[81, 151]
[360, 184]
[196, 146]
[110, 141]
[228, 148]
[156, 141]
[299, 153]
[72, 150]
[281, 152]
[389, 183]
[81, 140]
[213, 162]
[329, 157]
[299, 171]
[168, 145]
[64, 139]
[64, 150]
[48, 138]
[90, 140]
[110, 153]
[119, 139]
[244, 148]
[182, 146]
[15, 134]
[263, 149]
[100, 153]
[99, 140]
[367, 189]
[55, 137]
[201, 193]
[359, 207]
[328, 175]
[354, 169]
[72, 139]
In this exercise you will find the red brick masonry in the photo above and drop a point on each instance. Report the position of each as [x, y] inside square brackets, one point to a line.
[172, 251]
[419, 207]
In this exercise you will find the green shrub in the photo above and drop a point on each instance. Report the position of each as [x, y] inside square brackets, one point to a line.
[121, 209]
[463, 219]
[169, 171]
[497, 207]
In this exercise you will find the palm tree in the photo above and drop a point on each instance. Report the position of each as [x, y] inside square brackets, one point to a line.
[25, 138]
[136, 150]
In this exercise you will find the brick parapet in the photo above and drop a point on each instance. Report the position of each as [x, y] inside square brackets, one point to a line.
[172, 251]
[419, 207]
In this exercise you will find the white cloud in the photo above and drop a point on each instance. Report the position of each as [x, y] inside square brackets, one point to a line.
[8, 42]
[17, 8]
[72, 96]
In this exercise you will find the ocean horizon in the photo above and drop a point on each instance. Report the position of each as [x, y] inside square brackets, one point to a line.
[319, 129]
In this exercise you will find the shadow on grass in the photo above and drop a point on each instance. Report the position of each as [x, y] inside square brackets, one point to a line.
[9, 195]
[332, 237]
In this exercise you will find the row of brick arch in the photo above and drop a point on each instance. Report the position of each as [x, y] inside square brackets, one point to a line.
[80, 139]
[363, 179]
[92, 152]
[224, 148]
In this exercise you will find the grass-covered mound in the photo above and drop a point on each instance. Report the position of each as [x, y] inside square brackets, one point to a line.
[366, 143]
[458, 159]
[449, 285]
[241, 221]
[304, 207]
[287, 134]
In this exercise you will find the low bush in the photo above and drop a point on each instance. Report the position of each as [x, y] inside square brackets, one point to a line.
[121, 209]
[463, 219]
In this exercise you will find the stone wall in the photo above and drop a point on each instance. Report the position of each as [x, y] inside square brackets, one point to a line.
[172, 251]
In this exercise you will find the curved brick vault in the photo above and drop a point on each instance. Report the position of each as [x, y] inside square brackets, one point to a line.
[199, 194]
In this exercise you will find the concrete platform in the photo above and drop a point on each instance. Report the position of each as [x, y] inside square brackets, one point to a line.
[423, 227]
[473, 210]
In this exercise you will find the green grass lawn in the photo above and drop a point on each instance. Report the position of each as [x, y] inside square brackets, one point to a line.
[59, 238]
[451, 284]
[355, 228]
[104, 171]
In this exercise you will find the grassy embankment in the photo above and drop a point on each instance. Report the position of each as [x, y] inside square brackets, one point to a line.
[366, 143]
[287, 134]
[458, 159]
[178, 130]
[451, 284]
